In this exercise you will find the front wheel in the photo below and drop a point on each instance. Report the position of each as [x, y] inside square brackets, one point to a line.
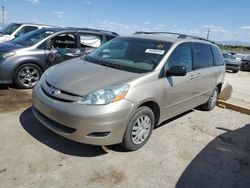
[139, 129]
[27, 75]
[211, 103]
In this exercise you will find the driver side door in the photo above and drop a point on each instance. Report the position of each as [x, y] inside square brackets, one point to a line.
[179, 90]
[61, 48]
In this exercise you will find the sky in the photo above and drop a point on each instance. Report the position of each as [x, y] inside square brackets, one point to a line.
[227, 20]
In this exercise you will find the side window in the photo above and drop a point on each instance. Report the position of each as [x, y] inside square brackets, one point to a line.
[203, 57]
[64, 41]
[110, 37]
[218, 58]
[25, 30]
[182, 55]
[90, 40]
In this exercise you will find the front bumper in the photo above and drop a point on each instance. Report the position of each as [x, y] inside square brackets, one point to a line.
[97, 125]
[6, 72]
[232, 67]
[245, 66]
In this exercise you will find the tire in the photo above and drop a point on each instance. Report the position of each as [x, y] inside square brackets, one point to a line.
[136, 135]
[235, 71]
[211, 103]
[27, 75]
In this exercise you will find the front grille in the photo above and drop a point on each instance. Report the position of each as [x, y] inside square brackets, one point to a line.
[58, 94]
[232, 65]
[54, 124]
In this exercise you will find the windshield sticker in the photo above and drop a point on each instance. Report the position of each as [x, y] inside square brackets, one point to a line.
[155, 51]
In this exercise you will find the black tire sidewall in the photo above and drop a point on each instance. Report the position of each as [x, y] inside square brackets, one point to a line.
[127, 138]
[15, 75]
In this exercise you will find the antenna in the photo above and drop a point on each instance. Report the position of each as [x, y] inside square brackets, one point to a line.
[208, 33]
[3, 8]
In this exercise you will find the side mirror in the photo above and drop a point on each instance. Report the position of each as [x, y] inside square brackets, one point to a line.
[176, 71]
[18, 34]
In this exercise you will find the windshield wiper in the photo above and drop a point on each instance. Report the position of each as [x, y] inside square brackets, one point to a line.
[111, 65]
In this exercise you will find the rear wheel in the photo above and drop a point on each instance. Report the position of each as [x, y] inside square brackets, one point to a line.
[27, 75]
[211, 103]
[139, 129]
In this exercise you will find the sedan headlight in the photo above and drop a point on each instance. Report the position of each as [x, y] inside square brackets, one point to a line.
[105, 96]
[7, 54]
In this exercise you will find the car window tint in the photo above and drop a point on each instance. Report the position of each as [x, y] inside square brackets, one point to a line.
[25, 30]
[88, 40]
[218, 58]
[182, 55]
[202, 56]
[64, 41]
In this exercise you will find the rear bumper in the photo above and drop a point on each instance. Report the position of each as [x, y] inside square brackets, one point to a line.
[97, 125]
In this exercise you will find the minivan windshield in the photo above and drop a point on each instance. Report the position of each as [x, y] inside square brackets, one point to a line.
[130, 54]
[32, 37]
[9, 29]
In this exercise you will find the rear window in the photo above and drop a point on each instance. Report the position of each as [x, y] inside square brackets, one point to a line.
[218, 58]
[203, 57]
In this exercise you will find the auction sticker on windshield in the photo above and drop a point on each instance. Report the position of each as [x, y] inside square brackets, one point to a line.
[155, 51]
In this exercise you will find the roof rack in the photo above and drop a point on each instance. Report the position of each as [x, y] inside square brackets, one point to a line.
[97, 30]
[180, 36]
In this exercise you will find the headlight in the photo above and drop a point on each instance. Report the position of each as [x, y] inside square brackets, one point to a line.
[105, 96]
[7, 54]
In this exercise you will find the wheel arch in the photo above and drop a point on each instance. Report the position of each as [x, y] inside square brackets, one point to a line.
[154, 106]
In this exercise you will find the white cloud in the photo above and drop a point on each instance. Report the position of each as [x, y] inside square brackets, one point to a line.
[245, 28]
[34, 1]
[34, 20]
[213, 28]
[159, 27]
[59, 14]
[117, 27]
[146, 23]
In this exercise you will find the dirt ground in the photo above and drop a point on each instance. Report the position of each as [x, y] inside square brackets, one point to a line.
[195, 149]
[241, 87]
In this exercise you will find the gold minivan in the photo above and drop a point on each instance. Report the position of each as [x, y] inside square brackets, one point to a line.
[122, 90]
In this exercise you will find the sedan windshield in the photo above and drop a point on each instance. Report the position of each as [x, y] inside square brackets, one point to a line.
[130, 54]
[32, 37]
[9, 29]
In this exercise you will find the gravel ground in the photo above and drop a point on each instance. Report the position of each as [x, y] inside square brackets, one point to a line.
[195, 149]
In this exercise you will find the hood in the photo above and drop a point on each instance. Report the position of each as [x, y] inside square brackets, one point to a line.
[6, 46]
[81, 77]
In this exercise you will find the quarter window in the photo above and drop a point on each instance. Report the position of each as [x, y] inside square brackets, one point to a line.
[88, 40]
[203, 57]
[182, 55]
